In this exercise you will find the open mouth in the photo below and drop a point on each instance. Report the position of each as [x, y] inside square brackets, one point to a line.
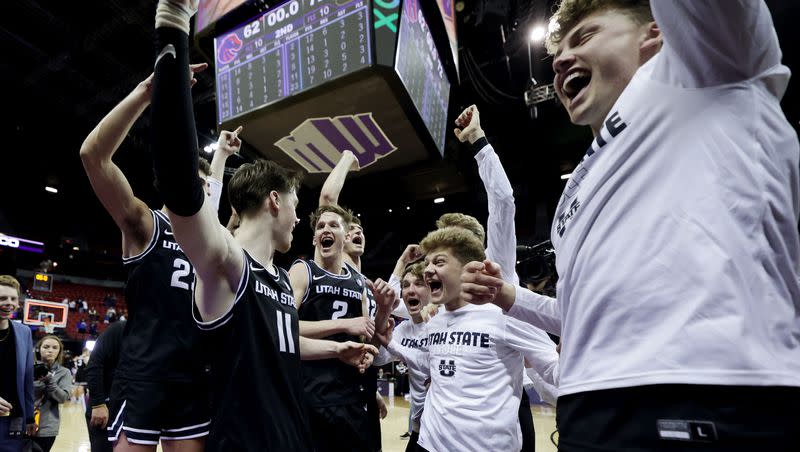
[327, 242]
[358, 240]
[413, 302]
[575, 83]
[436, 287]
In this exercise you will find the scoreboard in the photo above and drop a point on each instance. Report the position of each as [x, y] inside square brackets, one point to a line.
[310, 78]
[292, 48]
[421, 71]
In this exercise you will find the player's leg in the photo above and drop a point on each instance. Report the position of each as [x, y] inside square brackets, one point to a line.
[187, 420]
[134, 415]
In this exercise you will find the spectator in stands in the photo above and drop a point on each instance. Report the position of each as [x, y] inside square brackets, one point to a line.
[16, 371]
[82, 326]
[110, 301]
[51, 390]
[123, 316]
[93, 329]
[72, 305]
[111, 314]
[92, 313]
[83, 306]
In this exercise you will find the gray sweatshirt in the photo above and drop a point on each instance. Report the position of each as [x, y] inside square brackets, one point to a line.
[48, 396]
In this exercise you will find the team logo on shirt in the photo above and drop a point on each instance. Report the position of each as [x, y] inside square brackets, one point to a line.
[447, 368]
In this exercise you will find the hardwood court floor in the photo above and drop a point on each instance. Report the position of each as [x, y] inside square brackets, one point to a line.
[74, 438]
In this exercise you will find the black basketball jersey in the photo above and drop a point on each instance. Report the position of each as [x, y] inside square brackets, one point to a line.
[330, 382]
[255, 370]
[160, 340]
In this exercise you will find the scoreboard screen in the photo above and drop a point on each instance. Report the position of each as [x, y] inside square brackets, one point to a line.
[291, 48]
[420, 68]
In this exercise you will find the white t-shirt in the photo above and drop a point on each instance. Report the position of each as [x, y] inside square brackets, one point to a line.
[414, 336]
[676, 236]
[474, 355]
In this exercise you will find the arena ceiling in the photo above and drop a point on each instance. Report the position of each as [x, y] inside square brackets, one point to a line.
[66, 64]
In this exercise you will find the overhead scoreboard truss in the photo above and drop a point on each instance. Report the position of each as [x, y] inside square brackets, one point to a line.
[310, 78]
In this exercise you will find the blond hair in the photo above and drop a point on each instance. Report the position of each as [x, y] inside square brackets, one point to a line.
[10, 281]
[571, 12]
[417, 270]
[462, 243]
[461, 220]
[347, 217]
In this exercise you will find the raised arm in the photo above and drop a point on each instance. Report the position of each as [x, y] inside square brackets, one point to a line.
[227, 145]
[217, 259]
[501, 246]
[131, 215]
[335, 180]
[714, 42]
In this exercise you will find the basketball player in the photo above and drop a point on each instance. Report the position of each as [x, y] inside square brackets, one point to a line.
[474, 356]
[239, 295]
[161, 388]
[330, 296]
[677, 235]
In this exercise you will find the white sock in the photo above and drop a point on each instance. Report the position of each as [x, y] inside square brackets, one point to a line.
[175, 14]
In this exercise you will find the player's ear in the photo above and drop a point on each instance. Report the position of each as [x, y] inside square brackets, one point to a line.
[650, 41]
[273, 202]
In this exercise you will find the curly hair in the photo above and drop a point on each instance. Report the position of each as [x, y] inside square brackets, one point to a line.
[570, 12]
[461, 220]
[462, 243]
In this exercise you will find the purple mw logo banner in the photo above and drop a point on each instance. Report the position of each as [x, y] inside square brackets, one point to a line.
[318, 143]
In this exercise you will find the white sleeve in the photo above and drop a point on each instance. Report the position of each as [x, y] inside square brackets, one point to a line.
[501, 246]
[215, 187]
[534, 345]
[538, 310]
[383, 358]
[415, 358]
[714, 42]
[401, 310]
[546, 391]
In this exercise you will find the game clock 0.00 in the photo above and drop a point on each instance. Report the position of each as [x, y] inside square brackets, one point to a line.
[289, 49]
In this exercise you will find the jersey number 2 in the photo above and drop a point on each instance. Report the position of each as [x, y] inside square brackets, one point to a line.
[339, 310]
[182, 270]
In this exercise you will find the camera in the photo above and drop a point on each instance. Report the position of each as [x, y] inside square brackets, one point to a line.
[40, 370]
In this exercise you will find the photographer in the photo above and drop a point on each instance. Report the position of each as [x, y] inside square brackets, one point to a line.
[51, 387]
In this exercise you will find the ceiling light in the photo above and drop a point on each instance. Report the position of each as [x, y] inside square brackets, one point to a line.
[208, 149]
[438, 200]
[566, 176]
[408, 207]
[537, 33]
[51, 189]
[390, 210]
